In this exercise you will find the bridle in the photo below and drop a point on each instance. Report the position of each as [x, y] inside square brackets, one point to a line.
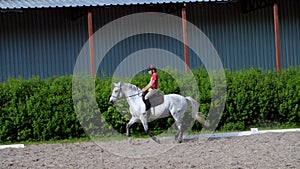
[117, 97]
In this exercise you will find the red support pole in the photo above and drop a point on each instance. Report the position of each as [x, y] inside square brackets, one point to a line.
[277, 37]
[91, 43]
[185, 40]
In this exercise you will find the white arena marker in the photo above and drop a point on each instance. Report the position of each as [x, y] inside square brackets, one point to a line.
[254, 130]
[238, 134]
[12, 146]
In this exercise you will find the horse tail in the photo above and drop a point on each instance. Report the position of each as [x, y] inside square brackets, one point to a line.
[195, 108]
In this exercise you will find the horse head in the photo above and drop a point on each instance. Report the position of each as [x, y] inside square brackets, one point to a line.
[116, 94]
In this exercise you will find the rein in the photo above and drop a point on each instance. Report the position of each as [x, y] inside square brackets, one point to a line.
[129, 96]
[134, 95]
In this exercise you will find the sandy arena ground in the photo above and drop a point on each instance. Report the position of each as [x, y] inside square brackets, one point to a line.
[263, 151]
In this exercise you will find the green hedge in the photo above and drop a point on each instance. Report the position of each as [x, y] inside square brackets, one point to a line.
[264, 99]
[37, 110]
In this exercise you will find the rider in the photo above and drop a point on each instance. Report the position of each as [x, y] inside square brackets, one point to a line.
[153, 84]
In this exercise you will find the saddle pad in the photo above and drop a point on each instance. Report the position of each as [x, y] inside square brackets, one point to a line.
[156, 98]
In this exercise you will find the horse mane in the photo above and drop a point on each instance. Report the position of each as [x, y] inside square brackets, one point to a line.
[131, 86]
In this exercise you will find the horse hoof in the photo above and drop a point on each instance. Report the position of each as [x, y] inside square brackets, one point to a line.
[129, 140]
[156, 140]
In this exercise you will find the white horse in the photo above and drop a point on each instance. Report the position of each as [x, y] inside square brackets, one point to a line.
[174, 105]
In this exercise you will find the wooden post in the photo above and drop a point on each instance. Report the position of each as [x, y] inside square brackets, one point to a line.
[91, 44]
[277, 37]
[185, 40]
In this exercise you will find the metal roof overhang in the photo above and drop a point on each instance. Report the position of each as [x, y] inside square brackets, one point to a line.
[252, 5]
[26, 4]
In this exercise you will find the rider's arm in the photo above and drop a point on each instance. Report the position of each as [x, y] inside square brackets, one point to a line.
[148, 85]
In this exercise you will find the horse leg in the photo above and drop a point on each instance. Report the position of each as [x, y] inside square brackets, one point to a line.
[178, 121]
[179, 133]
[131, 122]
[145, 125]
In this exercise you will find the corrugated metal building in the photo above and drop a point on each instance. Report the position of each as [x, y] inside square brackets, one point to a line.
[44, 38]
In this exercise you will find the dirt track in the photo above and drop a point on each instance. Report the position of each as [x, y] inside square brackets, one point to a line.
[272, 150]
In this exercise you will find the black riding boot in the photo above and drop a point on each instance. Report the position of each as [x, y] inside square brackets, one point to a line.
[146, 101]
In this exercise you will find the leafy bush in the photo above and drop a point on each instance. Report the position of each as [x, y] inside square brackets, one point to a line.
[44, 109]
[38, 109]
[261, 99]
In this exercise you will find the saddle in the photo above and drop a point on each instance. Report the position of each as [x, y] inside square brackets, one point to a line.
[155, 98]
